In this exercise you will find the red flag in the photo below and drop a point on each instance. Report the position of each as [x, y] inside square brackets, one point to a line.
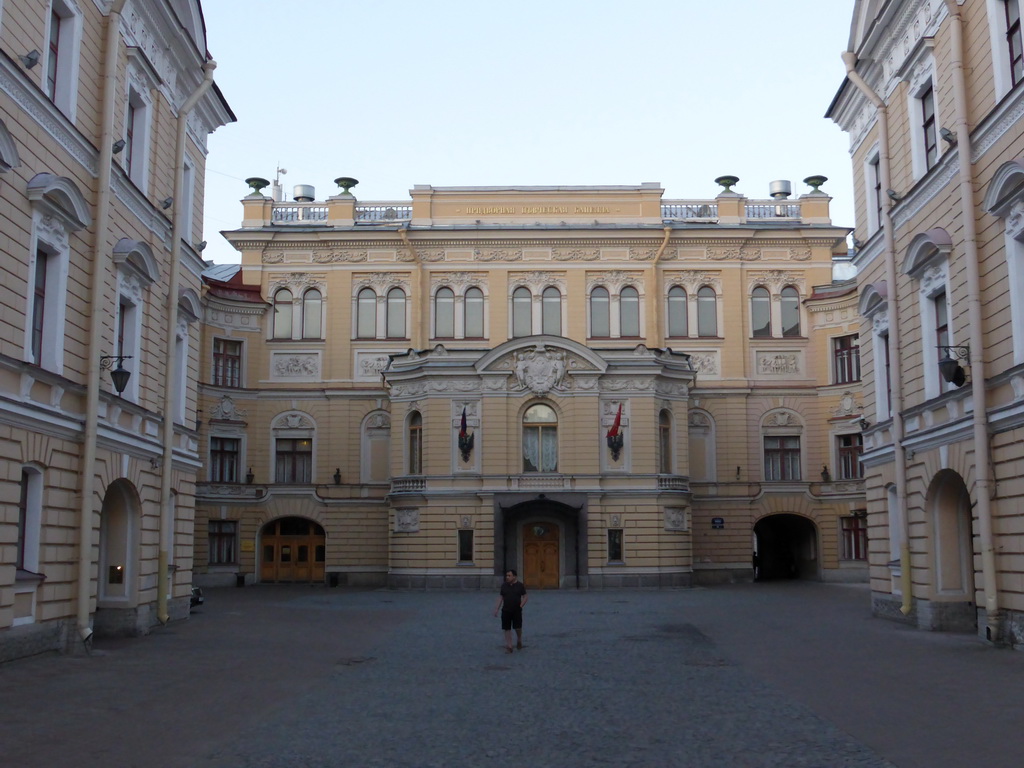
[614, 431]
[462, 427]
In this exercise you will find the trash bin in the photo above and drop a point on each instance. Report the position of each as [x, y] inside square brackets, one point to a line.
[332, 579]
[239, 579]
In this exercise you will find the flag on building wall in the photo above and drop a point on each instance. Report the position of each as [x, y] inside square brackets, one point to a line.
[614, 431]
[462, 427]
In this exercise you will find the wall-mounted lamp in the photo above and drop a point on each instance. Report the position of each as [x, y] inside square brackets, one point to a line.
[201, 246]
[119, 375]
[826, 476]
[249, 476]
[167, 202]
[949, 367]
[948, 135]
[30, 59]
[337, 476]
[119, 145]
[893, 195]
[864, 424]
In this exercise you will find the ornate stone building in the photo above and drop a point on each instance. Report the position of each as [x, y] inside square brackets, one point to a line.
[105, 107]
[933, 103]
[592, 385]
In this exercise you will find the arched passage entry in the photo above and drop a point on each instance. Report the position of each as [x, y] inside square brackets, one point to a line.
[293, 550]
[541, 539]
[785, 547]
[949, 504]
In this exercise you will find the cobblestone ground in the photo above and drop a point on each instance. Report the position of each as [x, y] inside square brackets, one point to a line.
[736, 676]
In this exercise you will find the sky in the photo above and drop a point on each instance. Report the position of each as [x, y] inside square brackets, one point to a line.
[561, 93]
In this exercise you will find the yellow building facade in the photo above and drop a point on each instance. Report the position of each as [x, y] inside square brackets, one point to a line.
[104, 112]
[595, 386]
[932, 103]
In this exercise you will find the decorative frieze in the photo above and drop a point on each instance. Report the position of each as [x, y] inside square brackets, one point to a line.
[370, 365]
[778, 363]
[295, 365]
[324, 256]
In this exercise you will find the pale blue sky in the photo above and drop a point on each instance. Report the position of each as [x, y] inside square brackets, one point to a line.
[563, 92]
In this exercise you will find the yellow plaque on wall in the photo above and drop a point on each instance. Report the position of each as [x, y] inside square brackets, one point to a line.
[248, 545]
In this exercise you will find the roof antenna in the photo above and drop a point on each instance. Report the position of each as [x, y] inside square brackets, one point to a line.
[276, 191]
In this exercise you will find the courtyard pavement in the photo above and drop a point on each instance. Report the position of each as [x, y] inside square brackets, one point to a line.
[776, 674]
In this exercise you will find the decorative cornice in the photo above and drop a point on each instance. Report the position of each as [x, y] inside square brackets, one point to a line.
[34, 104]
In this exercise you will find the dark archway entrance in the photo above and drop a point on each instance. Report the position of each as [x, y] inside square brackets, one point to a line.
[543, 538]
[785, 547]
[293, 550]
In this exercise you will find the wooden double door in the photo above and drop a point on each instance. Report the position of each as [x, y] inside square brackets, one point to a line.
[541, 560]
[294, 550]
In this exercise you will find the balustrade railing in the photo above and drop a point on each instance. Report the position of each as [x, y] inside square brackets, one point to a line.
[383, 211]
[773, 210]
[694, 209]
[300, 213]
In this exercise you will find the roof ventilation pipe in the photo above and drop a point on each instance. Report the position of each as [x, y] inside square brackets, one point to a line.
[304, 193]
[780, 190]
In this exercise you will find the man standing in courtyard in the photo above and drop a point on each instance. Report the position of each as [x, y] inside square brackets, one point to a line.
[511, 601]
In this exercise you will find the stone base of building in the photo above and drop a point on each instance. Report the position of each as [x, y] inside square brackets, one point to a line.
[848, 575]
[136, 620]
[34, 639]
[637, 581]
[709, 577]
[887, 606]
[928, 614]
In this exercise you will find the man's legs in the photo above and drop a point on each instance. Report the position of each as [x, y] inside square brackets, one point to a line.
[508, 640]
[519, 637]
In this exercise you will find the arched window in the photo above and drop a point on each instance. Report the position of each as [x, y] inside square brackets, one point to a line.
[629, 312]
[312, 313]
[521, 311]
[790, 311]
[551, 311]
[664, 443]
[540, 439]
[707, 312]
[283, 314]
[444, 314]
[761, 313]
[600, 326]
[474, 309]
[396, 314]
[415, 443]
[366, 314]
[677, 325]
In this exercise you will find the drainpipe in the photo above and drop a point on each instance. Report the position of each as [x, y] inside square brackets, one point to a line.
[98, 312]
[170, 361]
[895, 357]
[982, 458]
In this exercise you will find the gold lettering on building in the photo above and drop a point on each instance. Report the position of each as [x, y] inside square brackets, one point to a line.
[534, 210]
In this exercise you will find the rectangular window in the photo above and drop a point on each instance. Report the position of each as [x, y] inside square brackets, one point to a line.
[227, 363]
[19, 555]
[614, 545]
[224, 459]
[129, 137]
[39, 306]
[850, 448]
[782, 458]
[465, 545]
[855, 537]
[223, 538]
[1013, 41]
[294, 460]
[53, 60]
[928, 129]
[846, 359]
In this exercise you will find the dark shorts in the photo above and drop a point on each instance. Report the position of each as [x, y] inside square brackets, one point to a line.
[512, 619]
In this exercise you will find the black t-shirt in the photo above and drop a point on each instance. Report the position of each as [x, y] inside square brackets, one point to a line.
[512, 596]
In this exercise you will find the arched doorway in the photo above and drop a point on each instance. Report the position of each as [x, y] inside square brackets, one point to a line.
[293, 550]
[785, 547]
[119, 541]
